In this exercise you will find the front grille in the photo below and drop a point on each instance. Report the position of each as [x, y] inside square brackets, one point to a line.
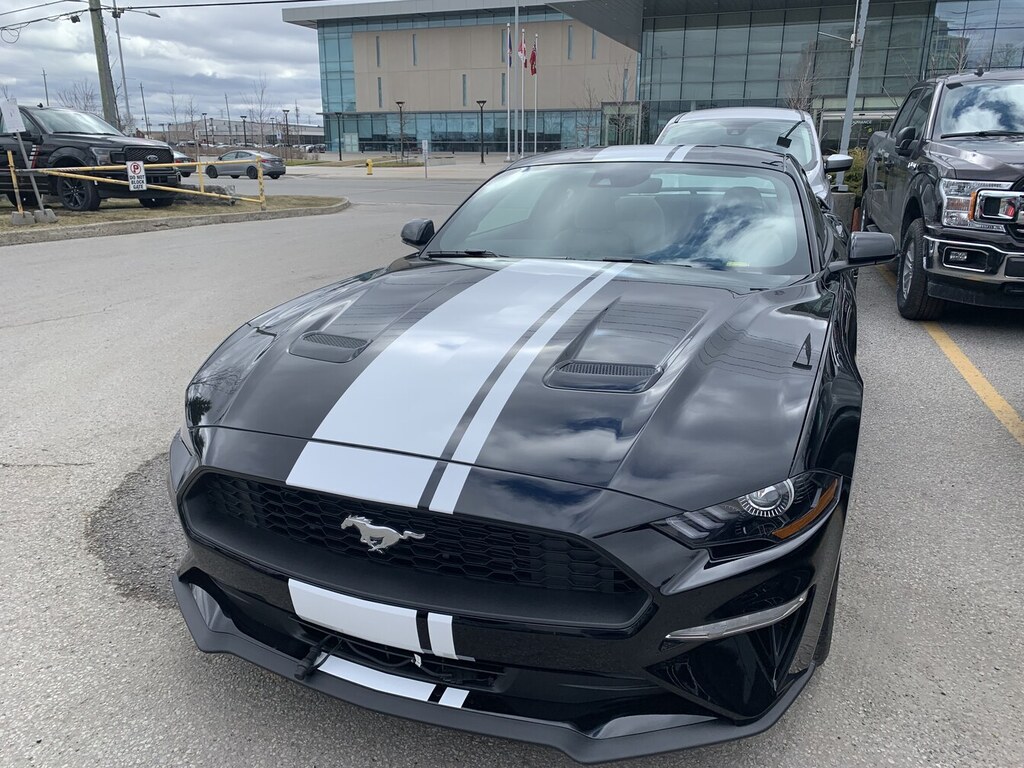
[142, 154]
[451, 546]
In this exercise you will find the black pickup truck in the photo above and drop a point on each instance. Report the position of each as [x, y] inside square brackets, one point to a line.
[57, 137]
[947, 181]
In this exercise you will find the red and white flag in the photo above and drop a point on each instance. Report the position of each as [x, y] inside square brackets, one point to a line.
[533, 59]
[522, 49]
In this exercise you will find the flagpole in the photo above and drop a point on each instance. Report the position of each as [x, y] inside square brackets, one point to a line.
[516, 143]
[508, 93]
[522, 97]
[533, 67]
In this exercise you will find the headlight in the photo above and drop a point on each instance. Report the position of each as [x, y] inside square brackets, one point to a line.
[102, 156]
[956, 202]
[760, 518]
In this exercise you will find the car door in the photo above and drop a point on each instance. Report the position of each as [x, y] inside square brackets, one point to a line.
[903, 167]
[881, 161]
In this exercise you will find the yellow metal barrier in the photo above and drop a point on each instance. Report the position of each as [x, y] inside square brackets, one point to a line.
[80, 172]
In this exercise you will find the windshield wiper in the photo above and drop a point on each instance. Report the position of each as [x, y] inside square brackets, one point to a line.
[625, 260]
[468, 253]
[784, 141]
[982, 134]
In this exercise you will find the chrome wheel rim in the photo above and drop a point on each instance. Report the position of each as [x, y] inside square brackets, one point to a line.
[905, 276]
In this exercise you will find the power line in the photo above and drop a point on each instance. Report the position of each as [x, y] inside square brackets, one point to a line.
[221, 3]
[41, 5]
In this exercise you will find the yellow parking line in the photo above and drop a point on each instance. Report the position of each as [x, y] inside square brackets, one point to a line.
[989, 395]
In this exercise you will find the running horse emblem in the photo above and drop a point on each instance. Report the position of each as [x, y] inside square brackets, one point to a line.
[377, 537]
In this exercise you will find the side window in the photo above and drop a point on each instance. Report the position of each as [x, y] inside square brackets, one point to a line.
[919, 116]
[903, 117]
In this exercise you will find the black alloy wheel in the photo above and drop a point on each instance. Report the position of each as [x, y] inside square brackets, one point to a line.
[211, 172]
[78, 195]
[912, 299]
[251, 172]
[156, 202]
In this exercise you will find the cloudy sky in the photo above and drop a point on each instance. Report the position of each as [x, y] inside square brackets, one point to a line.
[203, 53]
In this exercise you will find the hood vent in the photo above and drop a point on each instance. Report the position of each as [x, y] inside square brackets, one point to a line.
[329, 347]
[603, 377]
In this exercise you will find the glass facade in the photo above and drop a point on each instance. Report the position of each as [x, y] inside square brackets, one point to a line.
[459, 131]
[800, 56]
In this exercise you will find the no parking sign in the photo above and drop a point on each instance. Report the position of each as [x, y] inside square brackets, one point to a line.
[136, 176]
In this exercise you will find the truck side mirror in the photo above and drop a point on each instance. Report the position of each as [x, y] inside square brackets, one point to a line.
[905, 140]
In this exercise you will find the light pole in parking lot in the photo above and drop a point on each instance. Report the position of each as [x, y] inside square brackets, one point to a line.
[286, 141]
[206, 129]
[401, 130]
[163, 129]
[481, 102]
[245, 139]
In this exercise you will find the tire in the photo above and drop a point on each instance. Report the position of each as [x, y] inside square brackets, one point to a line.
[156, 202]
[185, 175]
[251, 172]
[77, 195]
[824, 646]
[912, 299]
[234, 175]
[275, 175]
[211, 172]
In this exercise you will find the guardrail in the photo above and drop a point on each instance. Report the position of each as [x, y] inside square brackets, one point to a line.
[81, 173]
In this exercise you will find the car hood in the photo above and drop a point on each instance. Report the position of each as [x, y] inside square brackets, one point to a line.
[631, 378]
[985, 159]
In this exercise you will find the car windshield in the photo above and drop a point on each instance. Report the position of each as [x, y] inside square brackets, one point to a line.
[72, 121]
[711, 217]
[994, 106]
[744, 132]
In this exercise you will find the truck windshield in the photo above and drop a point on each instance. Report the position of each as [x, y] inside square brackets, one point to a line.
[994, 107]
[744, 132]
[73, 121]
[710, 217]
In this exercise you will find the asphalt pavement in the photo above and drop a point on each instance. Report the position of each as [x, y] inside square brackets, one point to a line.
[97, 341]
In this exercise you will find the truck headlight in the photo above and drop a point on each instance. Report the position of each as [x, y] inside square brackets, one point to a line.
[102, 155]
[956, 202]
[758, 519]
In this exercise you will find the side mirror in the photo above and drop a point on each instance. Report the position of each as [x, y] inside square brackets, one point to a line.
[904, 139]
[836, 163]
[418, 232]
[866, 248]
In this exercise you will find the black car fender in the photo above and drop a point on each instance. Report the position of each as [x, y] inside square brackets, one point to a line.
[66, 157]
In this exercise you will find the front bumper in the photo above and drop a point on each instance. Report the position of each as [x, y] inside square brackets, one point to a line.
[984, 270]
[596, 693]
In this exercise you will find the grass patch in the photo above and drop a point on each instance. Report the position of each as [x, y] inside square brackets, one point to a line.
[331, 163]
[398, 164]
[132, 210]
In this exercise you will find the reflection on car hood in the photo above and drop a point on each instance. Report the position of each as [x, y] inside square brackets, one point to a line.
[608, 375]
[994, 158]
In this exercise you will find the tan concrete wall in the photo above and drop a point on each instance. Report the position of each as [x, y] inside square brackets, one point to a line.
[445, 54]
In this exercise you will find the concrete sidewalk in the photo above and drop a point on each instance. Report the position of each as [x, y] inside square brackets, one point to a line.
[466, 167]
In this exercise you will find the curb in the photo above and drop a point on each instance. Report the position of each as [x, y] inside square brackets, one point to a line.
[106, 229]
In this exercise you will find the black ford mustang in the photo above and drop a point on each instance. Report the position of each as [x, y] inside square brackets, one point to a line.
[575, 472]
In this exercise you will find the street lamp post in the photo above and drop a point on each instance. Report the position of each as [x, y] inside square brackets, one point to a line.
[206, 129]
[287, 143]
[245, 137]
[163, 129]
[116, 13]
[401, 130]
[481, 102]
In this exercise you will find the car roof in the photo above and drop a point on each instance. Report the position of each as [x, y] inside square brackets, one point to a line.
[973, 76]
[664, 153]
[751, 113]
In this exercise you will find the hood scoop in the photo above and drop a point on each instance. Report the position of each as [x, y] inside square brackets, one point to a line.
[602, 377]
[329, 347]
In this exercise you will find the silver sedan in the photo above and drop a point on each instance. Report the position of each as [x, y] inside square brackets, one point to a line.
[273, 166]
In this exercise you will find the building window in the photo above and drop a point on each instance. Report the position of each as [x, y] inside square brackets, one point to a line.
[380, 93]
[415, 56]
[568, 43]
[504, 88]
[464, 89]
[378, 51]
[503, 45]
[593, 44]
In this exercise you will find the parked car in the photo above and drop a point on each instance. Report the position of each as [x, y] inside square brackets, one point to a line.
[947, 180]
[273, 166]
[574, 471]
[181, 157]
[58, 137]
[788, 130]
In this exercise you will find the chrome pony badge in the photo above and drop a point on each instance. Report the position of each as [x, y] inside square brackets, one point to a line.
[377, 537]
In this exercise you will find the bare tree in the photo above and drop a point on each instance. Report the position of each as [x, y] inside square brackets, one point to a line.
[81, 95]
[260, 106]
[1006, 56]
[951, 53]
[190, 115]
[801, 84]
[588, 116]
[624, 117]
[174, 115]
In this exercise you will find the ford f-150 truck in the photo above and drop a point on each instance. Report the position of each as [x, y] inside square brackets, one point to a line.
[947, 181]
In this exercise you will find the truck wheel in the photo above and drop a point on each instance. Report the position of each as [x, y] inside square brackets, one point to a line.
[78, 195]
[912, 299]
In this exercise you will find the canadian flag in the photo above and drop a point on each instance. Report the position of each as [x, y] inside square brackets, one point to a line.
[522, 49]
[533, 59]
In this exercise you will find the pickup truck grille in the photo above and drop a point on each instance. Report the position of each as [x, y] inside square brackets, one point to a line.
[142, 154]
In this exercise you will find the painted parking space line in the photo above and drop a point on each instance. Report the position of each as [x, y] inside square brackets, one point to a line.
[989, 395]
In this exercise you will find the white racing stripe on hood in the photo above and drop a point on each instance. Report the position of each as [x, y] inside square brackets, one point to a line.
[413, 395]
[468, 450]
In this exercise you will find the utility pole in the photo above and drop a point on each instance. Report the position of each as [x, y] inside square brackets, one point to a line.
[103, 64]
[145, 115]
[120, 55]
[46, 89]
[227, 111]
